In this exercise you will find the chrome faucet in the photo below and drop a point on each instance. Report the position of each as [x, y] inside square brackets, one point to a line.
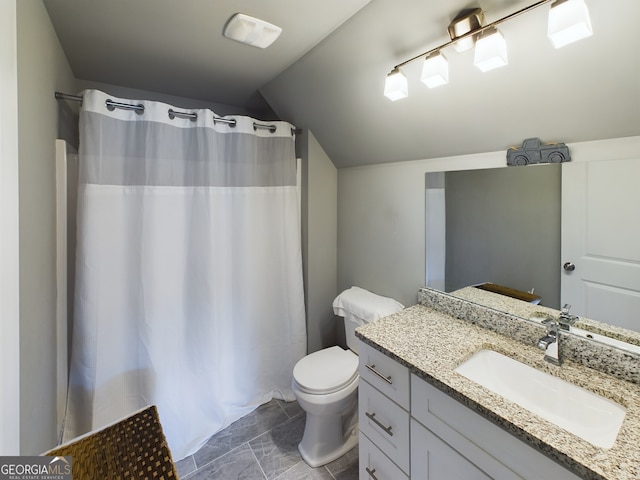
[566, 319]
[550, 343]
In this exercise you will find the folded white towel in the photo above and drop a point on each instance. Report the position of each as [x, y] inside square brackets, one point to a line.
[365, 305]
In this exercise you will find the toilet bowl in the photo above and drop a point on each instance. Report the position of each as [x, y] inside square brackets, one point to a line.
[325, 382]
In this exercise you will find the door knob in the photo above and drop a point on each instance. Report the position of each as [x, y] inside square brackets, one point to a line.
[569, 267]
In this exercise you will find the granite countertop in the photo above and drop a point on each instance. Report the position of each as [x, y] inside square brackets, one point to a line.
[432, 344]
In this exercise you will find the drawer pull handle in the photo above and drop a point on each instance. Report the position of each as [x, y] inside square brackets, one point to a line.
[386, 429]
[376, 372]
[372, 473]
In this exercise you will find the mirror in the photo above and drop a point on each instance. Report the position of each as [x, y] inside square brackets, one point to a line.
[503, 226]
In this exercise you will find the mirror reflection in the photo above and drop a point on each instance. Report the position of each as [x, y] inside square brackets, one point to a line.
[504, 226]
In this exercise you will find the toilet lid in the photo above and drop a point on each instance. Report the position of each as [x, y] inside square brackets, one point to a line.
[326, 371]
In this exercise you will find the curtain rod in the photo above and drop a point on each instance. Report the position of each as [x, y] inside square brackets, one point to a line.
[139, 109]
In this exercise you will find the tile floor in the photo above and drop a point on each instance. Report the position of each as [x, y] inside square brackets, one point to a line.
[263, 446]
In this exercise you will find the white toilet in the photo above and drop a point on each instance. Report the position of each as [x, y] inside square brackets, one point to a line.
[326, 382]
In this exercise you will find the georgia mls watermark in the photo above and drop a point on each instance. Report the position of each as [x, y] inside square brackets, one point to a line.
[35, 468]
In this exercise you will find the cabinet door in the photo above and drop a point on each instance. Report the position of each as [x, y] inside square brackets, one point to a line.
[433, 459]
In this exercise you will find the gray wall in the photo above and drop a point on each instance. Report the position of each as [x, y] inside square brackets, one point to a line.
[42, 69]
[319, 242]
[503, 226]
[381, 230]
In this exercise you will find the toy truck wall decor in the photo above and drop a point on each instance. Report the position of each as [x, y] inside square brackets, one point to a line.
[534, 151]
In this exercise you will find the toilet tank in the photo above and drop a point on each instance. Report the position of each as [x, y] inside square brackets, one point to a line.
[351, 322]
[359, 306]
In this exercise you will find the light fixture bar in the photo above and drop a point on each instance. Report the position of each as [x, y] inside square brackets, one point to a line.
[475, 32]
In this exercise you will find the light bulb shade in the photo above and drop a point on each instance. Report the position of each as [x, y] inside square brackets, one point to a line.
[435, 70]
[396, 87]
[569, 22]
[491, 50]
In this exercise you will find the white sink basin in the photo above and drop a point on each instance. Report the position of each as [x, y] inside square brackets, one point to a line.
[591, 417]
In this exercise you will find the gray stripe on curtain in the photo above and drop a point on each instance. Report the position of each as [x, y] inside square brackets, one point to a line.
[162, 160]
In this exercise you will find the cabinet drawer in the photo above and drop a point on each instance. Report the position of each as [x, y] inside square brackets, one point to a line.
[385, 423]
[385, 374]
[375, 465]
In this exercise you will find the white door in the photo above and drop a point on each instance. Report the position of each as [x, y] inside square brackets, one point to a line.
[600, 248]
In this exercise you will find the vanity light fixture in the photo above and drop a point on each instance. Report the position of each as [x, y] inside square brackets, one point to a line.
[568, 22]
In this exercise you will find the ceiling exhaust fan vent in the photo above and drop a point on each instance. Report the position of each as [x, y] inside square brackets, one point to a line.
[251, 31]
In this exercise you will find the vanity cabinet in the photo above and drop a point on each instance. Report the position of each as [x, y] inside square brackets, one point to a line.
[410, 429]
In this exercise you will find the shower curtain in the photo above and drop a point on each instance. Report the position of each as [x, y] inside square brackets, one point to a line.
[189, 288]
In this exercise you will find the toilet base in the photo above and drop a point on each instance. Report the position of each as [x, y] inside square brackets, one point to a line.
[324, 441]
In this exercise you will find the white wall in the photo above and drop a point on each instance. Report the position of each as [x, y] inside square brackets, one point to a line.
[9, 238]
[319, 238]
[42, 69]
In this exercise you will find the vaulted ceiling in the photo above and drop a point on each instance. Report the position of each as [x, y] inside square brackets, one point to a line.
[326, 72]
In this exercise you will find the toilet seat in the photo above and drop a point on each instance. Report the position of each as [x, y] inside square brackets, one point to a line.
[326, 371]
